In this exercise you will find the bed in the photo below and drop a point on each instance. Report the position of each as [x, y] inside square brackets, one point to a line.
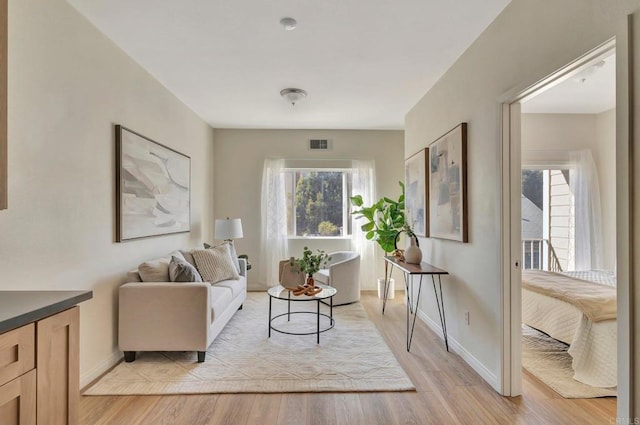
[579, 313]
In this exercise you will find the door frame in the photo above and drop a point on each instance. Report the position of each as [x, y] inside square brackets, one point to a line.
[511, 256]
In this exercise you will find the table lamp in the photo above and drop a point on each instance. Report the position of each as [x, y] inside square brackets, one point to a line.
[228, 229]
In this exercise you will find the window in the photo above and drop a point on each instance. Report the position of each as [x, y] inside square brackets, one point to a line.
[547, 220]
[318, 202]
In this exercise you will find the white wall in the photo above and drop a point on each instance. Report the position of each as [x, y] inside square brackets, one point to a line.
[239, 157]
[528, 41]
[604, 154]
[68, 86]
[548, 139]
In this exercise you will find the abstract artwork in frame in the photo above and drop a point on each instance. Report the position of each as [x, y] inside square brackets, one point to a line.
[448, 186]
[416, 193]
[153, 187]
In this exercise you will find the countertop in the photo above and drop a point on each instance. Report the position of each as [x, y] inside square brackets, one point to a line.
[18, 308]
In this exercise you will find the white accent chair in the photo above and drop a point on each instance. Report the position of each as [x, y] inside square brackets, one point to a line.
[343, 273]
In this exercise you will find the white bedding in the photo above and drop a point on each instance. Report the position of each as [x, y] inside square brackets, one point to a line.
[592, 345]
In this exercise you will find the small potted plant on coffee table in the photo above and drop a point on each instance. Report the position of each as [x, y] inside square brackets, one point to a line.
[310, 264]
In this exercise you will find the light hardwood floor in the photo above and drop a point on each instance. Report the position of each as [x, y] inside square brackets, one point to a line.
[448, 392]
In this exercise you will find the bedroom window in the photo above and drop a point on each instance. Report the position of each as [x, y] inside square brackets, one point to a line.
[547, 220]
[318, 202]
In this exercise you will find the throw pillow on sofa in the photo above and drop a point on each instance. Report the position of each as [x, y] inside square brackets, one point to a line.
[232, 251]
[181, 271]
[154, 270]
[215, 264]
[157, 270]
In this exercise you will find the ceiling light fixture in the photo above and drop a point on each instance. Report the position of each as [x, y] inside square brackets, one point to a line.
[586, 74]
[289, 24]
[293, 95]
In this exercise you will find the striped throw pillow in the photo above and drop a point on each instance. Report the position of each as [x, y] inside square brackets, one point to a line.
[215, 264]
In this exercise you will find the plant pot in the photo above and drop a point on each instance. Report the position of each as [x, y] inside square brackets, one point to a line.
[391, 289]
[310, 280]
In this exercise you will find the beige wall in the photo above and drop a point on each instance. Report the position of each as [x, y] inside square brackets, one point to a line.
[239, 157]
[547, 139]
[527, 42]
[68, 86]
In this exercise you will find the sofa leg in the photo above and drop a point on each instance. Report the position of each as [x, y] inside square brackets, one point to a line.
[129, 356]
[240, 308]
[201, 356]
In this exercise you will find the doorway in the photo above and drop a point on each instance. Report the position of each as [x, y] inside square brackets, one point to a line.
[515, 252]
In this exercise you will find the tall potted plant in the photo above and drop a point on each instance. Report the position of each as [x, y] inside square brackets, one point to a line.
[383, 220]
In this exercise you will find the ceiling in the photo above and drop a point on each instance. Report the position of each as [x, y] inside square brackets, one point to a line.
[364, 63]
[590, 92]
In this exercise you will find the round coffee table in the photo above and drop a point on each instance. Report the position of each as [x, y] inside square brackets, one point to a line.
[281, 293]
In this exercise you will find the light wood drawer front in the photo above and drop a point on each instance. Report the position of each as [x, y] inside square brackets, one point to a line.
[17, 352]
[18, 401]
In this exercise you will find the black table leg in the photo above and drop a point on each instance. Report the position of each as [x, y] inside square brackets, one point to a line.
[318, 325]
[270, 298]
[385, 291]
[289, 308]
[414, 313]
[440, 301]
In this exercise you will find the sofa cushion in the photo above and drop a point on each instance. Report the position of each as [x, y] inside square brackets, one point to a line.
[235, 286]
[181, 271]
[220, 300]
[215, 264]
[154, 270]
[322, 276]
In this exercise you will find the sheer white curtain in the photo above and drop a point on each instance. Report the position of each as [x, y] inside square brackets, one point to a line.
[273, 233]
[584, 185]
[364, 184]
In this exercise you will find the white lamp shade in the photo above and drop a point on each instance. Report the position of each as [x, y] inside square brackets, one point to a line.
[231, 228]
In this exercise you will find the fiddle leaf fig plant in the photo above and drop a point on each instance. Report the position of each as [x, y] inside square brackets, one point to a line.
[384, 219]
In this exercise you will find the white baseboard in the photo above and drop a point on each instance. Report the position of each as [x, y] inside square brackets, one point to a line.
[457, 348]
[89, 376]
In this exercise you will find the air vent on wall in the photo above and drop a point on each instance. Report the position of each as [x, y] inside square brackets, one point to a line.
[319, 144]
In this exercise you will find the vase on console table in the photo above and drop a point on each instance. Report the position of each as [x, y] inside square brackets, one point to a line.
[413, 253]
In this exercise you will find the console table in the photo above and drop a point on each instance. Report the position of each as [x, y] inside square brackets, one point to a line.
[410, 270]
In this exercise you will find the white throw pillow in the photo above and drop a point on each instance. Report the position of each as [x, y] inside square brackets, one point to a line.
[215, 264]
[154, 270]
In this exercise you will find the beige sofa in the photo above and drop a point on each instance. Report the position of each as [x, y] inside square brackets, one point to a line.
[176, 316]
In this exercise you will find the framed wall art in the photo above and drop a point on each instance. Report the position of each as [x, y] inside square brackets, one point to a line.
[416, 193]
[448, 186]
[153, 185]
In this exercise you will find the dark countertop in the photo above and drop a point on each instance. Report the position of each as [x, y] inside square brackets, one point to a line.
[18, 308]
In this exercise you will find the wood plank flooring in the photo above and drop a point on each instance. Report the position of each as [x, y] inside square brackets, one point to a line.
[448, 392]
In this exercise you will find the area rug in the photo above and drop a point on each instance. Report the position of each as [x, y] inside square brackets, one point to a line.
[548, 360]
[350, 357]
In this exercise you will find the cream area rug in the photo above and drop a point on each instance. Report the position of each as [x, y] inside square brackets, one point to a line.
[350, 357]
[548, 360]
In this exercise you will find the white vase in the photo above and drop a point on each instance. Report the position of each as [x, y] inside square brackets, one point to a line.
[390, 290]
[413, 253]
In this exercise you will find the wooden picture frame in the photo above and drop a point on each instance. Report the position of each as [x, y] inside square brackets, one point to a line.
[448, 186]
[416, 193]
[153, 187]
[4, 166]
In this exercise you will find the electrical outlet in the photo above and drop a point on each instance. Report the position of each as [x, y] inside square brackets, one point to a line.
[466, 318]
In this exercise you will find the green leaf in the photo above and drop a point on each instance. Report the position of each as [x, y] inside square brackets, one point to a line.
[368, 227]
[356, 200]
[370, 235]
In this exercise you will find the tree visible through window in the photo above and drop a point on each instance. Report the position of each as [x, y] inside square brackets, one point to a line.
[318, 201]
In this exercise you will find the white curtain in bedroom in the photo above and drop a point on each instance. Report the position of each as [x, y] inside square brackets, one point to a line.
[584, 185]
[273, 233]
[364, 184]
